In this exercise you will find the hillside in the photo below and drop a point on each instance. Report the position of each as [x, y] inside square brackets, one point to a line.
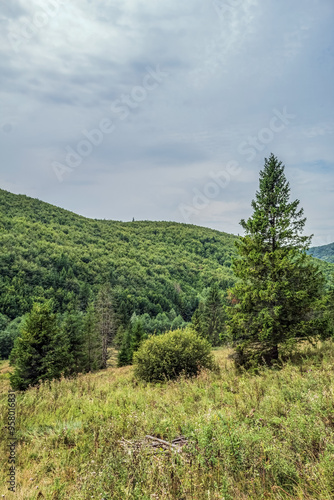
[247, 436]
[48, 252]
[324, 252]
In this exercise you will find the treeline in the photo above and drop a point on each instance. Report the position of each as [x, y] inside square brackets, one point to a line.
[48, 345]
[43, 344]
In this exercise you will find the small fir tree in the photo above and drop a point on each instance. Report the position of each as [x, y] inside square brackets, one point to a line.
[124, 357]
[137, 336]
[209, 318]
[213, 316]
[41, 351]
[72, 328]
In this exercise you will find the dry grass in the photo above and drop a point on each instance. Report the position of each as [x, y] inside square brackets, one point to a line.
[264, 436]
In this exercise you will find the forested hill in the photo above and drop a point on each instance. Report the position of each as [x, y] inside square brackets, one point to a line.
[325, 252]
[48, 252]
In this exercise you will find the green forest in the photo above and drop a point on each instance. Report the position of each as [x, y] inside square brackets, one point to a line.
[158, 272]
[94, 284]
[153, 267]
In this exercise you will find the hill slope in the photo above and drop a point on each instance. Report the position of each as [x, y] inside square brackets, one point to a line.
[324, 252]
[48, 252]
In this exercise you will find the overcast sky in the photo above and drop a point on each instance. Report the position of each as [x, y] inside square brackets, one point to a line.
[166, 110]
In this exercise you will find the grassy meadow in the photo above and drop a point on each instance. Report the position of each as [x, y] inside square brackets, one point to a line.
[249, 436]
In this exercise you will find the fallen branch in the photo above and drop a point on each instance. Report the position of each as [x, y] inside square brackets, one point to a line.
[166, 443]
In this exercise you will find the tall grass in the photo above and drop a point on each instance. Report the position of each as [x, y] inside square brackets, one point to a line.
[263, 436]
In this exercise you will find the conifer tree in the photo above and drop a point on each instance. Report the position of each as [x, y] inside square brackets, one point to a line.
[276, 300]
[137, 336]
[8, 336]
[41, 351]
[72, 329]
[208, 319]
[125, 352]
[132, 339]
[197, 320]
[329, 308]
[213, 316]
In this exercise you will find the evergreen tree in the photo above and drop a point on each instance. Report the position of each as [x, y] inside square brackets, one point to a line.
[137, 336]
[72, 329]
[197, 319]
[125, 353]
[276, 300]
[84, 296]
[41, 351]
[213, 316]
[208, 319]
[4, 320]
[329, 308]
[132, 339]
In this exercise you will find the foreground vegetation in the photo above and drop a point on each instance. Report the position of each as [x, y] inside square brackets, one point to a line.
[269, 435]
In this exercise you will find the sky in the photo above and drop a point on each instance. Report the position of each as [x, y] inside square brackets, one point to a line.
[117, 109]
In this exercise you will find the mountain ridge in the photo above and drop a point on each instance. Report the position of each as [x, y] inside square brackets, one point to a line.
[323, 252]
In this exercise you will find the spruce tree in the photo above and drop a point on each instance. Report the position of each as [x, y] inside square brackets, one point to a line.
[213, 316]
[276, 300]
[329, 308]
[72, 329]
[124, 357]
[208, 320]
[137, 336]
[197, 320]
[41, 351]
[132, 339]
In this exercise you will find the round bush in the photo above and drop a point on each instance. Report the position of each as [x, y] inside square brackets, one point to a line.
[168, 355]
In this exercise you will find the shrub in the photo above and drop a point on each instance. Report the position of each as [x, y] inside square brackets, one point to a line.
[168, 355]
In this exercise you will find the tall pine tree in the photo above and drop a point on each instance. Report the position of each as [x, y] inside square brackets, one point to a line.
[276, 300]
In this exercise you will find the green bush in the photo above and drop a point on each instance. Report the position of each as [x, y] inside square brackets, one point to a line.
[168, 355]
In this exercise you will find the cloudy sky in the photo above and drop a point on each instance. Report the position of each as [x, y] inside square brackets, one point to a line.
[166, 110]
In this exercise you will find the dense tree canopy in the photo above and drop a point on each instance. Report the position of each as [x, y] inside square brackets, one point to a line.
[152, 267]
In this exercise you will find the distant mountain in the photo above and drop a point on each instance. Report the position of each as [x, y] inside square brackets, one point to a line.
[324, 252]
